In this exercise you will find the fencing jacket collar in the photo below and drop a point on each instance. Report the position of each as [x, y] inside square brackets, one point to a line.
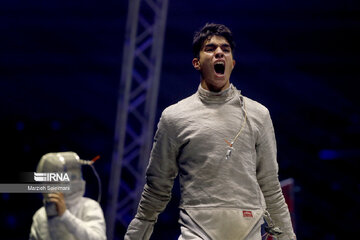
[216, 97]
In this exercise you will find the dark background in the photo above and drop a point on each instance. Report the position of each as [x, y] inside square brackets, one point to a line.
[60, 65]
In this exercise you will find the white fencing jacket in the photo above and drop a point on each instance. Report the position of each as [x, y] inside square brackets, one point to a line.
[82, 220]
[221, 198]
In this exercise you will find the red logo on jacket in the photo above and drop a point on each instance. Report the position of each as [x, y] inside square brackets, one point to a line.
[247, 214]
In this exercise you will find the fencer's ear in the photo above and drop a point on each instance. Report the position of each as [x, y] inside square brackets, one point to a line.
[196, 63]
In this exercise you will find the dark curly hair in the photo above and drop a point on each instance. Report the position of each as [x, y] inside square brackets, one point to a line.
[209, 30]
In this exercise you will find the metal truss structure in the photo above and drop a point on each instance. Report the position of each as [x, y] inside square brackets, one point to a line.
[138, 92]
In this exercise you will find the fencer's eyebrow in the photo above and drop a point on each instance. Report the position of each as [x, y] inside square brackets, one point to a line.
[213, 45]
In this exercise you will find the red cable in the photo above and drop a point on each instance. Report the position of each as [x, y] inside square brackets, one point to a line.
[95, 158]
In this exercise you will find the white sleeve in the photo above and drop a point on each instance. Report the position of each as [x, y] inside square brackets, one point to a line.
[92, 224]
[39, 225]
[34, 231]
[160, 175]
[267, 175]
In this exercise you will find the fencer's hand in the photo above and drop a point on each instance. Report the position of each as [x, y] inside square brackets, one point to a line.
[59, 200]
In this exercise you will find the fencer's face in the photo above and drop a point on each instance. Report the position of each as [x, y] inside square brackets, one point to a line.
[215, 64]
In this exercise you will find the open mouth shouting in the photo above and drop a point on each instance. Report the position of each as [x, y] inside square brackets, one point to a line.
[219, 68]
